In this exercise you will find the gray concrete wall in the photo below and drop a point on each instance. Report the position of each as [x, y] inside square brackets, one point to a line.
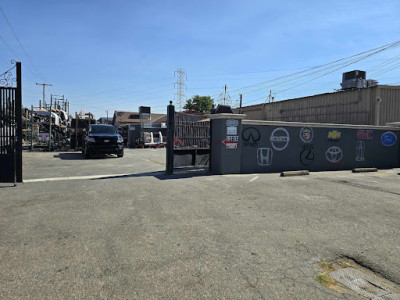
[226, 144]
[283, 147]
[265, 146]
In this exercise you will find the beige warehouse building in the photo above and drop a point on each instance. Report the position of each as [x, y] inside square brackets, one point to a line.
[377, 105]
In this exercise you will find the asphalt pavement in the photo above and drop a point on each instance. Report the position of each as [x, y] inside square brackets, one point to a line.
[119, 228]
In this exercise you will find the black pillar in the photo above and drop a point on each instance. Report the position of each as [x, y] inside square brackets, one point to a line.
[18, 116]
[170, 138]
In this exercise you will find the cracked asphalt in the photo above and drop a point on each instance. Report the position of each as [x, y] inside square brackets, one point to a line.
[143, 235]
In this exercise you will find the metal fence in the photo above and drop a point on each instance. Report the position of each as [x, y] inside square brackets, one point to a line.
[191, 131]
[188, 140]
[11, 125]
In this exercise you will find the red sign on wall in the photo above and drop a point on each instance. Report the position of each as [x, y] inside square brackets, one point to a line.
[364, 134]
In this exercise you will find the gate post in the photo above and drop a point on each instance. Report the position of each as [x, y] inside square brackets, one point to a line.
[170, 138]
[226, 133]
[31, 127]
[18, 117]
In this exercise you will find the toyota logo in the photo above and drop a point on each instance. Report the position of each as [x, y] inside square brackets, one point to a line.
[334, 154]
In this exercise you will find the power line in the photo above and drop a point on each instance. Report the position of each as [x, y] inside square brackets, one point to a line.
[8, 46]
[391, 68]
[3, 60]
[125, 93]
[16, 56]
[335, 65]
[371, 54]
[118, 89]
[388, 62]
[385, 47]
[256, 72]
[20, 44]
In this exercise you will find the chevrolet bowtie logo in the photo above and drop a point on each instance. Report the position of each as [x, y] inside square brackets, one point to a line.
[334, 135]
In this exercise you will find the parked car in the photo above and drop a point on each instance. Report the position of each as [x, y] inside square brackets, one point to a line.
[102, 139]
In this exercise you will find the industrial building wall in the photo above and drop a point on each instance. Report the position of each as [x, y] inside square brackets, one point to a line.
[359, 107]
[389, 106]
[346, 107]
[254, 112]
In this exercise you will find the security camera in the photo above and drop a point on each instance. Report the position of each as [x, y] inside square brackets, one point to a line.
[379, 99]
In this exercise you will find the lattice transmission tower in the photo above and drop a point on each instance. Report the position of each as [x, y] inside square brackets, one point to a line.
[224, 97]
[180, 87]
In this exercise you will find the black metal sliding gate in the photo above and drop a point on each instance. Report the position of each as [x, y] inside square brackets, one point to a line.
[188, 140]
[11, 125]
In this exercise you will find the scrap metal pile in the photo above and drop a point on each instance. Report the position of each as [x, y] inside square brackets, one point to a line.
[37, 126]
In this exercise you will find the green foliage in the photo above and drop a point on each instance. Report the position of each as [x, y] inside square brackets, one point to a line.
[201, 104]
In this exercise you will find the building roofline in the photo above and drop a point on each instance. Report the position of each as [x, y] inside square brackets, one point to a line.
[330, 93]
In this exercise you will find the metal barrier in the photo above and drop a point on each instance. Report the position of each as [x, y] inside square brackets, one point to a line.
[188, 140]
[11, 125]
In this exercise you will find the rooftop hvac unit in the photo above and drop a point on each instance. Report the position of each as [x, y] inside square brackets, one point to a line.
[144, 109]
[354, 75]
[354, 79]
[371, 82]
[145, 112]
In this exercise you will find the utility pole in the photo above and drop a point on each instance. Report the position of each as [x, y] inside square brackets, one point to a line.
[76, 131]
[31, 127]
[51, 103]
[240, 107]
[107, 115]
[180, 86]
[44, 92]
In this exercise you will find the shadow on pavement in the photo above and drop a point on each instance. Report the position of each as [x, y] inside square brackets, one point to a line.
[79, 156]
[8, 186]
[161, 175]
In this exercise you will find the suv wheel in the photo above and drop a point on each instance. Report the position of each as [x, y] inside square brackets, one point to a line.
[86, 154]
[121, 153]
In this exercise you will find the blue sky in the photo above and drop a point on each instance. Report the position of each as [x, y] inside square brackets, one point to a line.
[118, 55]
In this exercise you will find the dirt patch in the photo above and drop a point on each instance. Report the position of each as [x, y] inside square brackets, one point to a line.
[346, 276]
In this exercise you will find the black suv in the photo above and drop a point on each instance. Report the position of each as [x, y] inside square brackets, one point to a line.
[102, 139]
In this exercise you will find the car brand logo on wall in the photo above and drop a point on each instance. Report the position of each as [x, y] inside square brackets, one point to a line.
[264, 156]
[364, 134]
[307, 157]
[334, 154]
[279, 139]
[334, 135]
[251, 134]
[306, 134]
[360, 151]
[388, 138]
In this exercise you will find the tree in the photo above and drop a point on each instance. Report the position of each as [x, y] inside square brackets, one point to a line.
[198, 103]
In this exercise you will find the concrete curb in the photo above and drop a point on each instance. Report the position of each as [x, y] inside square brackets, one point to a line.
[360, 170]
[295, 173]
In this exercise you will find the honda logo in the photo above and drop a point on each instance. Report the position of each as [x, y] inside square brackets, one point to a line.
[264, 156]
